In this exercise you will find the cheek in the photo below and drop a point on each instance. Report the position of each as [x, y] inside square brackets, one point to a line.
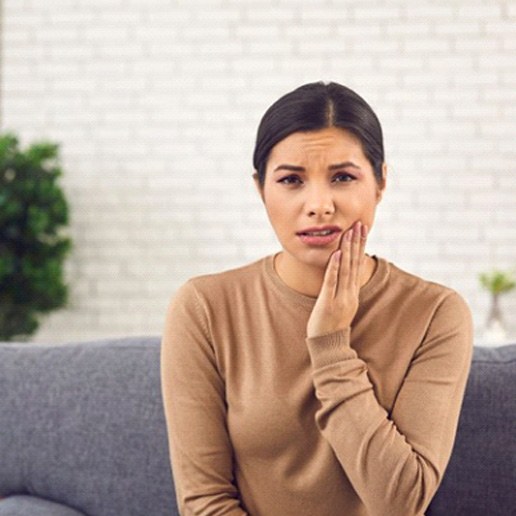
[281, 211]
[278, 214]
[371, 209]
[361, 205]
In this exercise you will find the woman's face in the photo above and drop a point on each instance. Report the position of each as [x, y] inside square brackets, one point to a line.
[313, 180]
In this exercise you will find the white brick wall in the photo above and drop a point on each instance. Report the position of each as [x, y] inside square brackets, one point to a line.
[156, 105]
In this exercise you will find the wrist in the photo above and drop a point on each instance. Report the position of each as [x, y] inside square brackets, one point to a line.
[330, 349]
[321, 334]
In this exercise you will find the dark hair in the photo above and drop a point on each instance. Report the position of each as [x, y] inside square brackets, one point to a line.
[316, 106]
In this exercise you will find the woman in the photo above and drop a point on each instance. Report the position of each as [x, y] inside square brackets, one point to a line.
[321, 380]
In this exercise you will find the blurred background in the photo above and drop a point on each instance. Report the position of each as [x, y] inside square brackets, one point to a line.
[155, 106]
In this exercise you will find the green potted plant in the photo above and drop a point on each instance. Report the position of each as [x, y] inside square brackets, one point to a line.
[33, 215]
[496, 282]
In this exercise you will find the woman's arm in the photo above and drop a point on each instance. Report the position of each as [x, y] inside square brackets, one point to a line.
[195, 412]
[394, 461]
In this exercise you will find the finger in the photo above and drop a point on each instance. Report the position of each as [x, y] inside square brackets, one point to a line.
[345, 263]
[362, 231]
[363, 238]
[354, 276]
[362, 259]
[331, 275]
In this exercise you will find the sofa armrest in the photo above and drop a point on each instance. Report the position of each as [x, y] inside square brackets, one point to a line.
[480, 477]
[26, 505]
[82, 424]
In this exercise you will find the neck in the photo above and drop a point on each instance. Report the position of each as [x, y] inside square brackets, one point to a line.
[307, 279]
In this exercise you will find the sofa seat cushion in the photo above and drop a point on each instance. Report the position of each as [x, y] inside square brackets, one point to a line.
[26, 505]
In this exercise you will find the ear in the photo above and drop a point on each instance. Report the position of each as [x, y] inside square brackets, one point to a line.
[381, 188]
[258, 186]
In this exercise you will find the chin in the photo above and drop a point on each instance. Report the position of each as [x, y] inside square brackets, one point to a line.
[313, 257]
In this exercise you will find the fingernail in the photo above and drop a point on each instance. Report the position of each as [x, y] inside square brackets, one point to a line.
[364, 231]
[348, 236]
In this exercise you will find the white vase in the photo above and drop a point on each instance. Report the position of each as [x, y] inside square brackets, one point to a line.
[495, 331]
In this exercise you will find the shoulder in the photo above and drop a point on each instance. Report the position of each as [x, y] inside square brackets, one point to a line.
[202, 299]
[414, 298]
[407, 283]
[410, 280]
[231, 277]
[218, 285]
[448, 308]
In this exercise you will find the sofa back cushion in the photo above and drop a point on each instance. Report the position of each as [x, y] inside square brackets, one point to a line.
[481, 476]
[82, 424]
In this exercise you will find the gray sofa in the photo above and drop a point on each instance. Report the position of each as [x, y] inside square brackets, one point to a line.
[82, 432]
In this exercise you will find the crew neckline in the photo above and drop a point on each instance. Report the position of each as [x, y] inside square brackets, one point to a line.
[375, 282]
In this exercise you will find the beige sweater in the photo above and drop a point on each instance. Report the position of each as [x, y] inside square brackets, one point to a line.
[263, 421]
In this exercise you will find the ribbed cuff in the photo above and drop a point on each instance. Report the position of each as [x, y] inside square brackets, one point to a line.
[331, 348]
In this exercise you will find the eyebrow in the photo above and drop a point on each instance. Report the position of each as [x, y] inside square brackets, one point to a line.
[297, 168]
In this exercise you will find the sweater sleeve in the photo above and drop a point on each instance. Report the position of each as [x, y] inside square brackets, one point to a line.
[195, 412]
[395, 461]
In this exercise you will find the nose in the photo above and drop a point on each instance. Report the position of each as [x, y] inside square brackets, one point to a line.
[320, 201]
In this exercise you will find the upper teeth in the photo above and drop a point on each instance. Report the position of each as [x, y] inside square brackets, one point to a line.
[320, 233]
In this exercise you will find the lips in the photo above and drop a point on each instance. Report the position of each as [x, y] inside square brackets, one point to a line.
[319, 236]
[319, 231]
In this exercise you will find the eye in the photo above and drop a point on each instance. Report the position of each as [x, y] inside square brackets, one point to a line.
[290, 180]
[344, 178]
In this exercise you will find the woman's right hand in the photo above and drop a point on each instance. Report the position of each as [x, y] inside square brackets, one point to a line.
[337, 302]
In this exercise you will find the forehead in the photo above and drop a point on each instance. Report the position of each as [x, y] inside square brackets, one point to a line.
[331, 142]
